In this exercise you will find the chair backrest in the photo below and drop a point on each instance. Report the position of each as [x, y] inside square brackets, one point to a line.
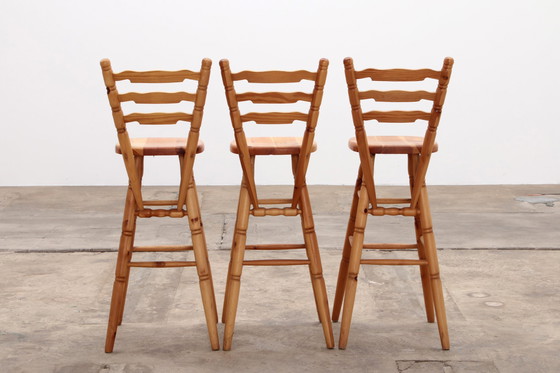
[396, 96]
[157, 118]
[281, 98]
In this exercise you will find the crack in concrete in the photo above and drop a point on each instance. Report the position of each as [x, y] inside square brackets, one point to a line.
[224, 225]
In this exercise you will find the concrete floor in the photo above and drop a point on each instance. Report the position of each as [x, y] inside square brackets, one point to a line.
[499, 256]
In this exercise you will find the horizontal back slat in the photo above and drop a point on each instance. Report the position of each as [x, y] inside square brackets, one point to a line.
[396, 116]
[398, 75]
[274, 118]
[157, 97]
[274, 76]
[397, 96]
[274, 97]
[158, 118]
[157, 76]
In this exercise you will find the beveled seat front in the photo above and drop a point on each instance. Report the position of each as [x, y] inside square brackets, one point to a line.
[160, 146]
[392, 144]
[272, 146]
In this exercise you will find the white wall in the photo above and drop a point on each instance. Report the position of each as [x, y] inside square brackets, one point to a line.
[500, 123]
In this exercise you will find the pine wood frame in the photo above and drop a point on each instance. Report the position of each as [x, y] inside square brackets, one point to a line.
[250, 204]
[365, 201]
[136, 207]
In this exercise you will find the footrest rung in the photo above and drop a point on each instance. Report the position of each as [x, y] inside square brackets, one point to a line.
[394, 262]
[162, 264]
[392, 201]
[286, 211]
[165, 248]
[275, 262]
[160, 203]
[390, 246]
[161, 213]
[275, 247]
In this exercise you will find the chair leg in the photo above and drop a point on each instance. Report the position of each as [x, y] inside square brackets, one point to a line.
[236, 266]
[226, 295]
[202, 265]
[424, 271]
[315, 267]
[122, 270]
[354, 266]
[343, 269]
[433, 266]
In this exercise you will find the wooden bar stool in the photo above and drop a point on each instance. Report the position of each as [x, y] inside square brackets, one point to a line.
[133, 151]
[365, 201]
[299, 149]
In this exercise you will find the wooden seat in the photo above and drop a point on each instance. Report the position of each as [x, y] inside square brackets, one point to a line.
[272, 146]
[186, 204]
[298, 204]
[365, 201]
[392, 144]
[160, 146]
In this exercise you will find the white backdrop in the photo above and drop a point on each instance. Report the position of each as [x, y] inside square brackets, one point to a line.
[499, 126]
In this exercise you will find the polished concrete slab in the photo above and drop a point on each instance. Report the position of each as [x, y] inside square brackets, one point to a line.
[499, 257]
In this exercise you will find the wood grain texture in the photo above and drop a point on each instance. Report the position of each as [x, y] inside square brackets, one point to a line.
[157, 76]
[274, 76]
[397, 96]
[160, 146]
[392, 145]
[133, 152]
[396, 116]
[398, 75]
[272, 146]
[299, 148]
[419, 151]
[157, 97]
[274, 97]
[158, 118]
[274, 118]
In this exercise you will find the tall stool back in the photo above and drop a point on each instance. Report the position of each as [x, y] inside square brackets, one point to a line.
[365, 201]
[133, 151]
[299, 149]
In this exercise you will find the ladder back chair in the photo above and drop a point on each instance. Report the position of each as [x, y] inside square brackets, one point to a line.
[365, 201]
[133, 151]
[299, 149]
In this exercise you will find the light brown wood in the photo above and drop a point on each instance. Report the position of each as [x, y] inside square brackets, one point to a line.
[419, 151]
[160, 264]
[398, 75]
[274, 118]
[300, 150]
[274, 97]
[275, 247]
[394, 262]
[286, 211]
[272, 146]
[276, 262]
[166, 248]
[397, 96]
[424, 270]
[133, 152]
[396, 116]
[156, 76]
[157, 118]
[159, 146]
[392, 145]
[274, 76]
[157, 97]
[346, 248]
[389, 246]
